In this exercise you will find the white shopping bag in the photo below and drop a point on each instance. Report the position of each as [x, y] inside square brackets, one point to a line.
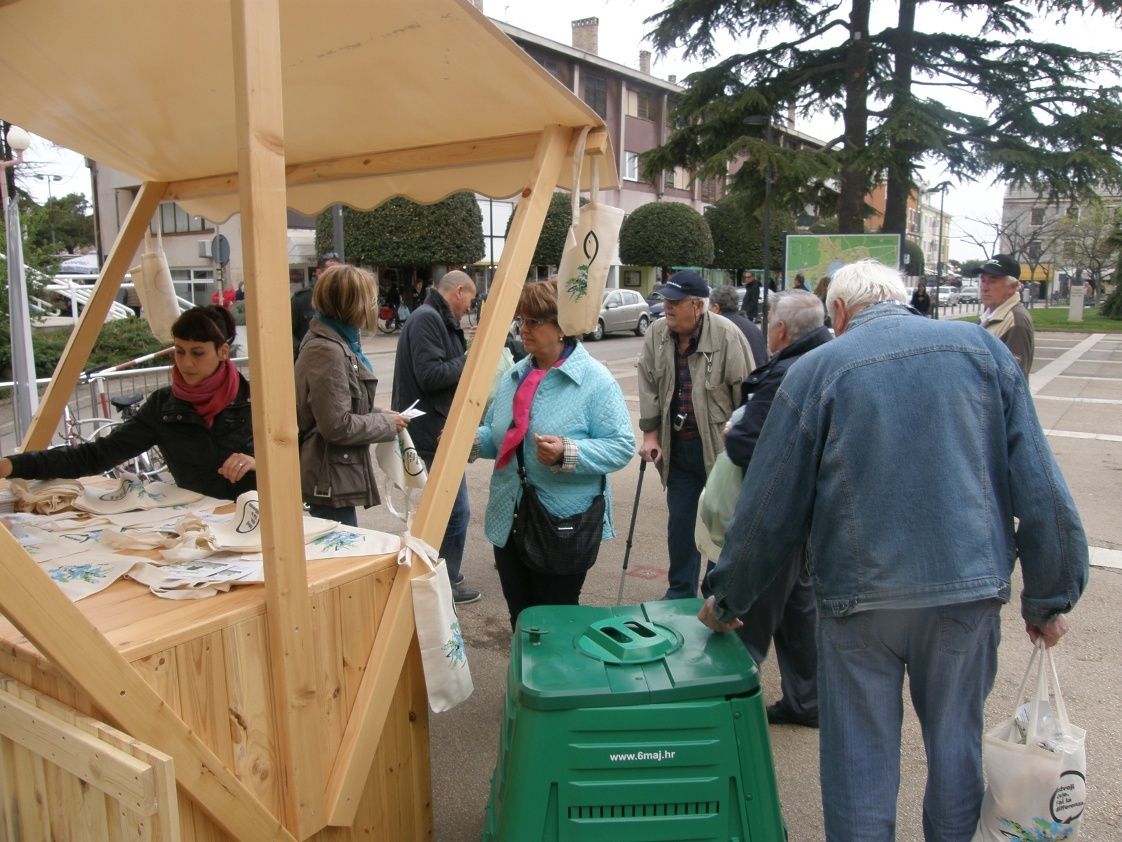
[443, 655]
[1036, 765]
[405, 472]
[153, 283]
[589, 247]
[716, 505]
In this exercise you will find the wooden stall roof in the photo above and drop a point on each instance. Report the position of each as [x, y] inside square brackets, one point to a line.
[146, 88]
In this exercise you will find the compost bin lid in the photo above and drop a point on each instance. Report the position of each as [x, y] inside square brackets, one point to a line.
[573, 656]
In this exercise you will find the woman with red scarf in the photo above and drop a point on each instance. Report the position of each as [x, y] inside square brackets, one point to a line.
[201, 423]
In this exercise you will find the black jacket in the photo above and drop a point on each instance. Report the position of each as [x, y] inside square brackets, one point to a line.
[193, 452]
[756, 342]
[431, 354]
[759, 391]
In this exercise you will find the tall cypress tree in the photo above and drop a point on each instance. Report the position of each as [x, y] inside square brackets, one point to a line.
[1044, 121]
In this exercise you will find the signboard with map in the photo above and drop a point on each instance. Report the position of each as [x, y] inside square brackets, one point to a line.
[816, 255]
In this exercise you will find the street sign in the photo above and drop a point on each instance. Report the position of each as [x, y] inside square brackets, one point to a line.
[220, 249]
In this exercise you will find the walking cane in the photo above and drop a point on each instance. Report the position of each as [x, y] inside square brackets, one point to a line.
[631, 530]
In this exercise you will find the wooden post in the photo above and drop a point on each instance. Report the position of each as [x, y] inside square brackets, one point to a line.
[260, 122]
[39, 609]
[82, 339]
[432, 514]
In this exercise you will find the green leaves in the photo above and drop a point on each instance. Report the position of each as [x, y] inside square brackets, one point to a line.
[665, 234]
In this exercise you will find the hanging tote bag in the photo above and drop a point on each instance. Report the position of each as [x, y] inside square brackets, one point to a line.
[153, 284]
[405, 473]
[590, 246]
[1036, 765]
[443, 656]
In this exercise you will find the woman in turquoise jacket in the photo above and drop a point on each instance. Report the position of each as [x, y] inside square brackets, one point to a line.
[566, 413]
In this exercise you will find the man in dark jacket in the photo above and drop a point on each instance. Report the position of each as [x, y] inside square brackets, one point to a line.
[787, 612]
[751, 304]
[722, 300]
[301, 303]
[431, 353]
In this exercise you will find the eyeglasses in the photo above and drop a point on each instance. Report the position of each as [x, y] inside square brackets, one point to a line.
[519, 321]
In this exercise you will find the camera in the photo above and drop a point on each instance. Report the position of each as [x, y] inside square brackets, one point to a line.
[679, 421]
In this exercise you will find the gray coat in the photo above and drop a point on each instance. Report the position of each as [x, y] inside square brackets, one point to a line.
[338, 422]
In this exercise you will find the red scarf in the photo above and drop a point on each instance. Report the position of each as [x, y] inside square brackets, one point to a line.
[212, 395]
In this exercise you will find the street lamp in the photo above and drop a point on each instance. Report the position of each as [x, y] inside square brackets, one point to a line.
[23, 360]
[47, 177]
[941, 189]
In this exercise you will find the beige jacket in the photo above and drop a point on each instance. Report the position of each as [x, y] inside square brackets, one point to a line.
[718, 369]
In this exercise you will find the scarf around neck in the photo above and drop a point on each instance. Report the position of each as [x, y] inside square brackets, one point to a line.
[523, 399]
[210, 396]
[349, 334]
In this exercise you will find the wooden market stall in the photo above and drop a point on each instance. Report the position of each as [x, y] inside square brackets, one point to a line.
[294, 709]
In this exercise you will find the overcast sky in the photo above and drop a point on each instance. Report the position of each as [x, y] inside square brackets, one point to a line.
[621, 38]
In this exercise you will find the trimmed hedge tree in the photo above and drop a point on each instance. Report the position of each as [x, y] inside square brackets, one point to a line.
[665, 234]
[558, 220]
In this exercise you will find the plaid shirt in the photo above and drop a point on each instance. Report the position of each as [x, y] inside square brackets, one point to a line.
[683, 384]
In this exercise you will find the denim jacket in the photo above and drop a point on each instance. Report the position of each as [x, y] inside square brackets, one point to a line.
[905, 448]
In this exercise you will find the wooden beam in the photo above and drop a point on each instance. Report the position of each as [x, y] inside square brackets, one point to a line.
[259, 115]
[82, 338]
[36, 606]
[482, 151]
[475, 384]
[372, 704]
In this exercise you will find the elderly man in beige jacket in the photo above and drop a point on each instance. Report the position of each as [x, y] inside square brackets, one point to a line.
[1004, 315]
[691, 369]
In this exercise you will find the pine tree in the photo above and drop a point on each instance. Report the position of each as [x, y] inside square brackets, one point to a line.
[1047, 124]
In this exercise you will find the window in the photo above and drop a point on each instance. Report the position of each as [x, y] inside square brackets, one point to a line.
[709, 188]
[632, 277]
[1034, 251]
[678, 178]
[1036, 216]
[174, 220]
[596, 94]
[640, 104]
[631, 166]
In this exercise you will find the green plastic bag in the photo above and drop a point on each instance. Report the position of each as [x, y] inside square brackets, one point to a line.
[715, 506]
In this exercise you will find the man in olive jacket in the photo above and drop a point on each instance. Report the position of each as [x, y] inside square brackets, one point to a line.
[691, 369]
[431, 353]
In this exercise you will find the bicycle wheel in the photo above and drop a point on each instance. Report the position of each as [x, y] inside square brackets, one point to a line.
[149, 466]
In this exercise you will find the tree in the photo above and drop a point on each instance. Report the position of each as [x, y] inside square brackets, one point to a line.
[915, 265]
[558, 220]
[1089, 241]
[63, 222]
[1050, 125]
[665, 234]
[401, 232]
[738, 228]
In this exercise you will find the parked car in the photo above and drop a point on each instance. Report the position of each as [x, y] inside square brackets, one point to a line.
[946, 296]
[654, 302]
[969, 294]
[621, 310]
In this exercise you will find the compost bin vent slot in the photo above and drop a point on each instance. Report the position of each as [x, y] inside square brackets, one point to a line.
[608, 812]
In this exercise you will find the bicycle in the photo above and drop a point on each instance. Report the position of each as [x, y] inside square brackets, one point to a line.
[475, 310]
[149, 466]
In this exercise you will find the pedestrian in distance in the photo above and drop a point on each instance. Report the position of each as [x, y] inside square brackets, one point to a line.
[899, 595]
[303, 311]
[921, 301]
[691, 370]
[335, 409]
[751, 304]
[1004, 315]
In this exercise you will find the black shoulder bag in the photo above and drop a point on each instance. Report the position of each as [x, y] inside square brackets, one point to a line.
[556, 546]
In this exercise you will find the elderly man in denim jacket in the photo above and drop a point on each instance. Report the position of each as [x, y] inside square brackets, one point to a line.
[836, 466]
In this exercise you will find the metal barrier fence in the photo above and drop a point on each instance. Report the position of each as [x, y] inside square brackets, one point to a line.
[92, 395]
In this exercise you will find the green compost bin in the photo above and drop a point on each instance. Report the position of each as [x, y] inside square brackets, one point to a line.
[631, 724]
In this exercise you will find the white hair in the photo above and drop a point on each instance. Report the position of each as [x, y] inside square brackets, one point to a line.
[799, 310]
[863, 283]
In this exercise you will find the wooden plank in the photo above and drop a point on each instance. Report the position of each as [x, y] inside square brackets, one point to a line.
[58, 629]
[478, 151]
[475, 383]
[80, 754]
[252, 712]
[77, 351]
[7, 789]
[201, 668]
[372, 705]
[32, 813]
[329, 657]
[259, 116]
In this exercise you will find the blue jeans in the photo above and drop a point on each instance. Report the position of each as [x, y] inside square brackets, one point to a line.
[685, 480]
[455, 535]
[950, 655]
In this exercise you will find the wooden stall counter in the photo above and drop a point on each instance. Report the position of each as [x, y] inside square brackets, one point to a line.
[209, 661]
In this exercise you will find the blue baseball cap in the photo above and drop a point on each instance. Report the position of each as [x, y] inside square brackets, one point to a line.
[684, 284]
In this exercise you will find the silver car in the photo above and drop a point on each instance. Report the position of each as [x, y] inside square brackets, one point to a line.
[621, 310]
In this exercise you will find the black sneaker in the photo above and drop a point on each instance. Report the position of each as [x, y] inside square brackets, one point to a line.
[459, 580]
[463, 595]
[780, 714]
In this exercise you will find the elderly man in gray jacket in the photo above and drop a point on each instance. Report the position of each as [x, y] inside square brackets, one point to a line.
[691, 369]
